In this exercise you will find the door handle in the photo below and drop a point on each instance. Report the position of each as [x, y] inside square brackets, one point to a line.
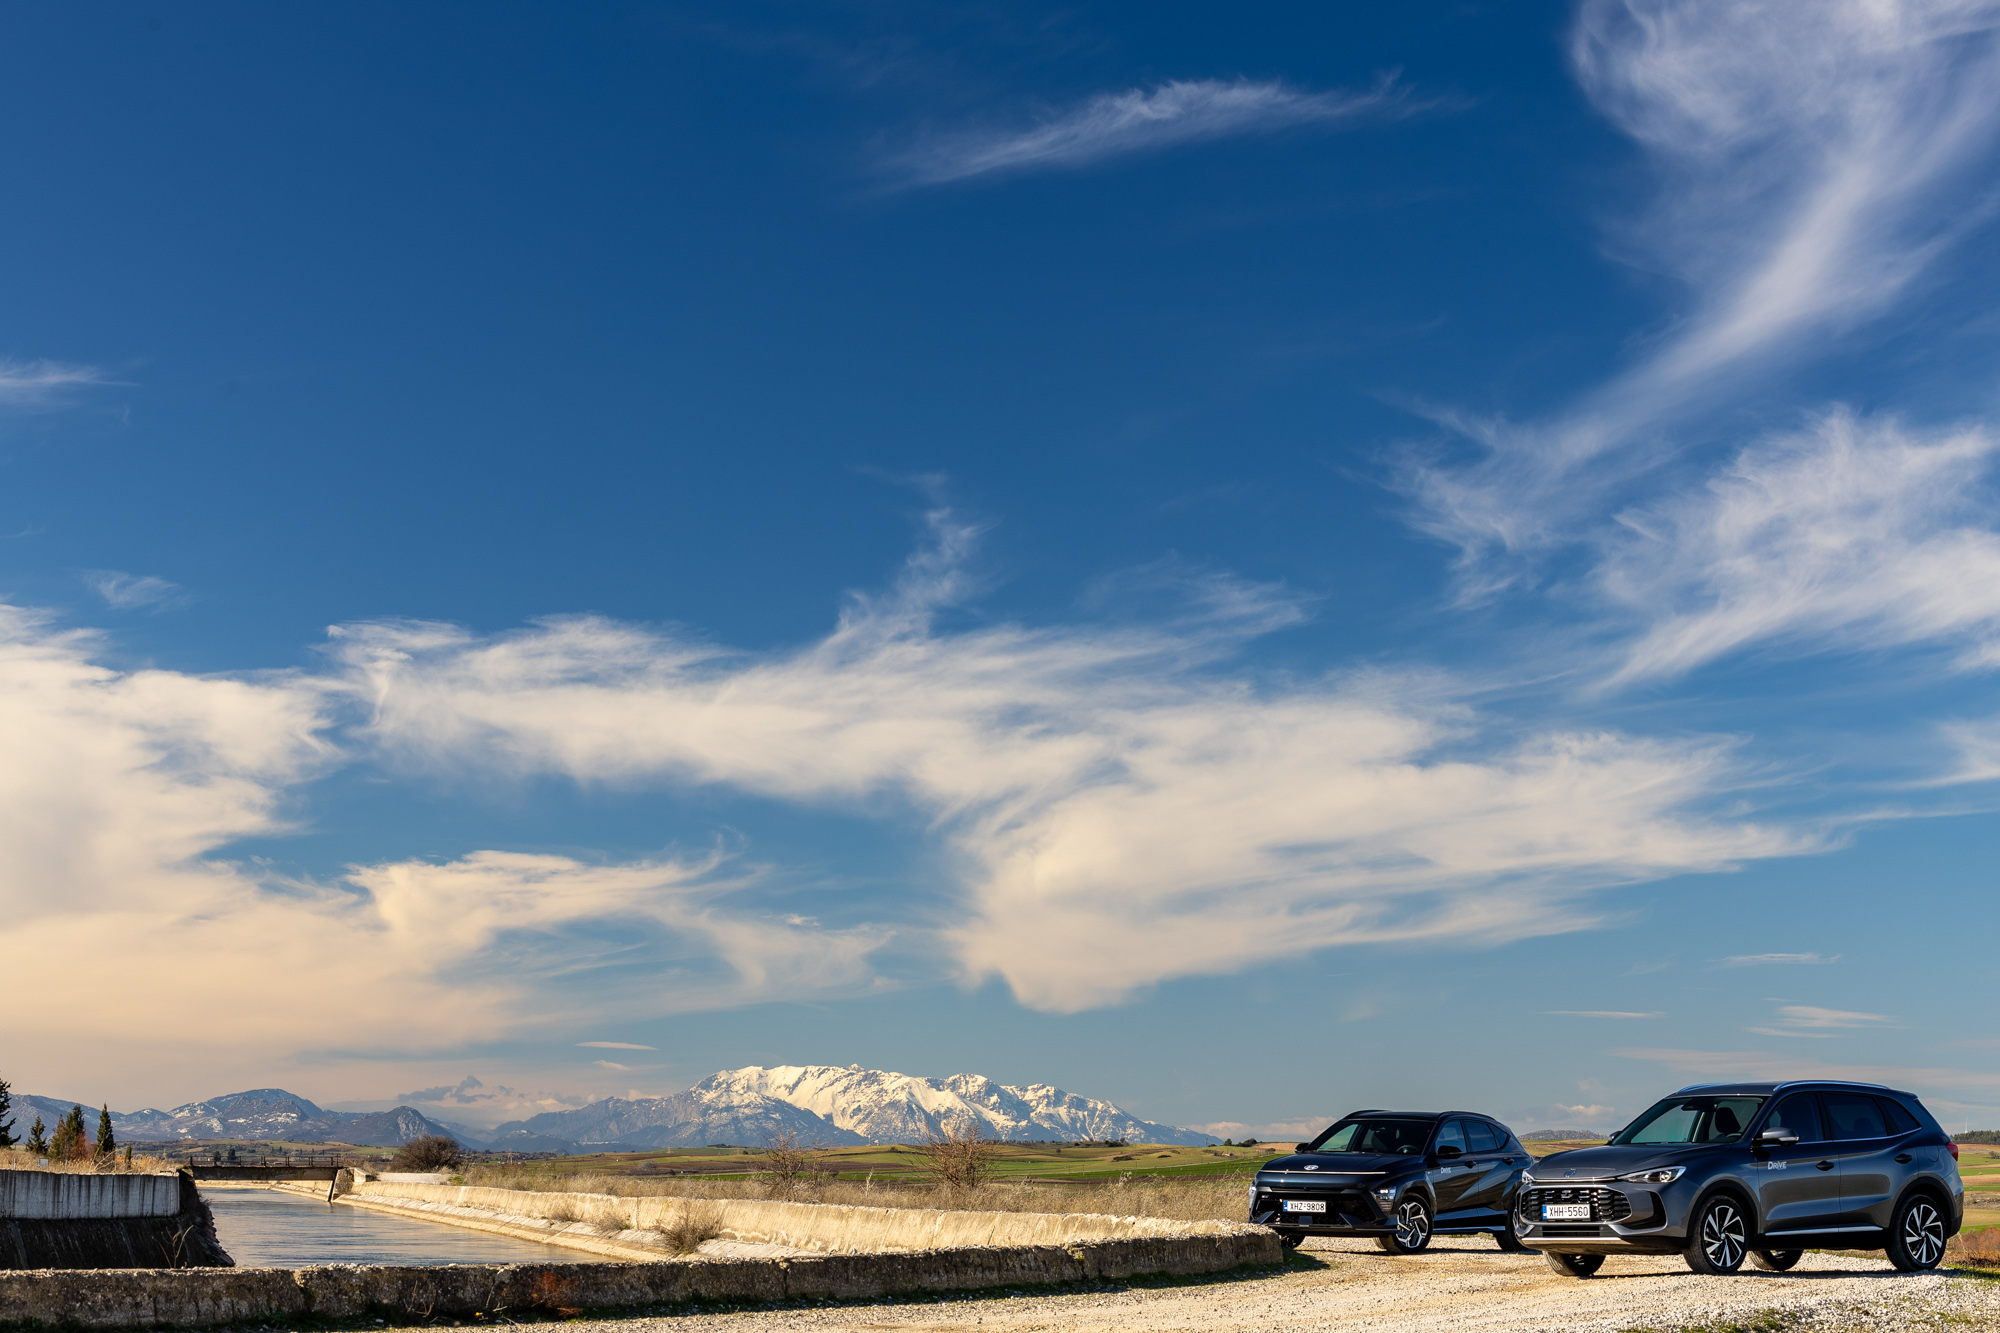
[1826, 1166]
[1904, 1157]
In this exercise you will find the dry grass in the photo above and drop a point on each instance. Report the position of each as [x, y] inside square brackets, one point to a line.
[18, 1159]
[1981, 1247]
[1185, 1200]
[697, 1221]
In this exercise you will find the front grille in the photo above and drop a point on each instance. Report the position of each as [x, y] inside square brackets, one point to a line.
[1606, 1205]
[1353, 1203]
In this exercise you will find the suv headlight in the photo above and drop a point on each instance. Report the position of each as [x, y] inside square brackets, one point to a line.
[1527, 1177]
[1665, 1175]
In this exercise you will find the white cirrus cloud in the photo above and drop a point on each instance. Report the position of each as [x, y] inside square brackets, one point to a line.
[30, 383]
[632, 1045]
[1806, 1020]
[1117, 808]
[1813, 161]
[1779, 959]
[1854, 532]
[117, 790]
[1141, 120]
[129, 592]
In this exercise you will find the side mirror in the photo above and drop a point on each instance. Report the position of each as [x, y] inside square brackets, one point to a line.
[1777, 1138]
[1446, 1152]
[1302, 1147]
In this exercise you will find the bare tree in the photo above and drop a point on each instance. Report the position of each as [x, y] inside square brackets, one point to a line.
[794, 1168]
[432, 1152]
[959, 1155]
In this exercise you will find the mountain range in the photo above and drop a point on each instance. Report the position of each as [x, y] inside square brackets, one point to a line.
[814, 1105]
[831, 1106]
[262, 1113]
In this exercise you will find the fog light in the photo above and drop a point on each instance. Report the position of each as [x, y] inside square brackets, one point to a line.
[1386, 1194]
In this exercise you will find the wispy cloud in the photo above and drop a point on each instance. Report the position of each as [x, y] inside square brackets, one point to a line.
[1812, 164]
[1141, 120]
[1094, 786]
[31, 383]
[1748, 1065]
[1858, 532]
[129, 592]
[634, 1046]
[1805, 1020]
[1782, 959]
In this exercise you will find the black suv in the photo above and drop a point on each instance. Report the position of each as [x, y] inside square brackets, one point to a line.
[1399, 1176]
[1720, 1172]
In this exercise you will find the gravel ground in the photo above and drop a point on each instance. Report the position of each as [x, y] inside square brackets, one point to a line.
[1460, 1286]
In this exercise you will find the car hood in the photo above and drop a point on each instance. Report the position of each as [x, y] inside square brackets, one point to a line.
[1602, 1163]
[1342, 1163]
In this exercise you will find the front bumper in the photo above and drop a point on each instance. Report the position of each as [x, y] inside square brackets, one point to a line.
[1621, 1217]
[1351, 1210]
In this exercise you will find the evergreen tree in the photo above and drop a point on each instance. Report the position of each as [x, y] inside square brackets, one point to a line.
[7, 1139]
[38, 1138]
[69, 1143]
[106, 1144]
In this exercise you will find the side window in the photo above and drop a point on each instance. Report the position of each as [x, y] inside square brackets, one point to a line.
[1451, 1136]
[1899, 1120]
[1800, 1114]
[1479, 1137]
[1853, 1115]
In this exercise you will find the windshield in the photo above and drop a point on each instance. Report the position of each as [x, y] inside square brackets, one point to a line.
[1693, 1120]
[1406, 1137]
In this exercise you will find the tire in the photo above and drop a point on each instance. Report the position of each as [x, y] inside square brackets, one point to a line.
[1718, 1236]
[1775, 1261]
[1291, 1240]
[1917, 1235]
[1573, 1265]
[1508, 1240]
[1413, 1228]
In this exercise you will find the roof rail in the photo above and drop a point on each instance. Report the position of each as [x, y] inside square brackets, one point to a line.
[1835, 1082]
[1697, 1087]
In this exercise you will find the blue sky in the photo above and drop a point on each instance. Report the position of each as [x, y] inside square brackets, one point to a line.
[1247, 561]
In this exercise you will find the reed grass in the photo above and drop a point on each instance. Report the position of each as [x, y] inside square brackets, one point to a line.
[1182, 1200]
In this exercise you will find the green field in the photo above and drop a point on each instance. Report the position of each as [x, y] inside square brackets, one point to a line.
[886, 1163]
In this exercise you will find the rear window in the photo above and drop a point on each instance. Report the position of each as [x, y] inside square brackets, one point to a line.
[1479, 1137]
[1895, 1117]
[1853, 1115]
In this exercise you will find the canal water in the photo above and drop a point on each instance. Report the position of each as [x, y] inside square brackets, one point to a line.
[271, 1229]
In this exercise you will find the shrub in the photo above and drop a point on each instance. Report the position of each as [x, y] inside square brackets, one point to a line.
[432, 1152]
[960, 1158]
[693, 1224]
[793, 1169]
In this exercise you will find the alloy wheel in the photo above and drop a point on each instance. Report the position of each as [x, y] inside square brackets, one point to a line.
[1413, 1225]
[1724, 1239]
[1923, 1233]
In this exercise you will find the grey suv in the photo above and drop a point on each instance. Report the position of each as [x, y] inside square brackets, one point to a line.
[1720, 1172]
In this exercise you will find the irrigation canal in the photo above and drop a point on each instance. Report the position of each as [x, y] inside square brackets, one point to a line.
[269, 1228]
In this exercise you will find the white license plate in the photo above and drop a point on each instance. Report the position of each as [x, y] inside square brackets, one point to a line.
[1305, 1205]
[1565, 1212]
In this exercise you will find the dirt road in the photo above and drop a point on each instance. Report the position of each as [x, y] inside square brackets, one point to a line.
[1462, 1286]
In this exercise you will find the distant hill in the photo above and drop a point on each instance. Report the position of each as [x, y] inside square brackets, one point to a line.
[262, 1113]
[831, 1106]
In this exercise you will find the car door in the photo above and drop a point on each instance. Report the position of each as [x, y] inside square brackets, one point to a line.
[1798, 1185]
[1450, 1172]
[1865, 1151]
[1485, 1190]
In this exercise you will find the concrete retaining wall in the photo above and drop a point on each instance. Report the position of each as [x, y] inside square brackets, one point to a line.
[821, 1227]
[67, 1196]
[185, 1239]
[138, 1298]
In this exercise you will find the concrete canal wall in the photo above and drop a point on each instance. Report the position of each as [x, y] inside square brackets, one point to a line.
[59, 1219]
[594, 1221]
[66, 1195]
[195, 1298]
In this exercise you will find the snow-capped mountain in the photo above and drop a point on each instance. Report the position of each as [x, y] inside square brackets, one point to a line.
[262, 1113]
[830, 1106]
